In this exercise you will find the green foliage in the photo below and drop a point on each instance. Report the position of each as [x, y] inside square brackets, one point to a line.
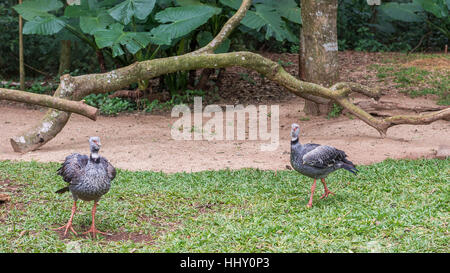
[109, 23]
[204, 37]
[372, 28]
[114, 106]
[393, 206]
[335, 111]
[126, 10]
[36, 87]
[272, 16]
[186, 97]
[40, 89]
[137, 30]
[39, 20]
[179, 21]
[420, 11]
[109, 106]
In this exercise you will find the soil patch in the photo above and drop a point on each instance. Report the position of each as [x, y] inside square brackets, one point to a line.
[140, 141]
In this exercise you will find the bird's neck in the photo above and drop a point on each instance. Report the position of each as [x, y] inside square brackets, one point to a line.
[294, 141]
[94, 156]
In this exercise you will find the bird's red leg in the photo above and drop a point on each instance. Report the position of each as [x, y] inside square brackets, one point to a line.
[327, 191]
[69, 223]
[93, 229]
[313, 188]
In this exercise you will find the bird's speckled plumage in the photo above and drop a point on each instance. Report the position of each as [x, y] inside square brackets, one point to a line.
[89, 177]
[317, 161]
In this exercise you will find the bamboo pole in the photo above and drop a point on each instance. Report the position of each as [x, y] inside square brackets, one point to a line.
[21, 59]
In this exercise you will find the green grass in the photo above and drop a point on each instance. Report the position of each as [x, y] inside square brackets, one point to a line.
[393, 206]
[415, 81]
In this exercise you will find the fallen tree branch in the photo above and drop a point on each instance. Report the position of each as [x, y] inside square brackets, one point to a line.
[77, 107]
[345, 88]
[76, 88]
[372, 105]
[130, 94]
[27, 84]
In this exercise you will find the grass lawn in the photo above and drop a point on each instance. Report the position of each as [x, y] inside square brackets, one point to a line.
[418, 75]
[393, 206]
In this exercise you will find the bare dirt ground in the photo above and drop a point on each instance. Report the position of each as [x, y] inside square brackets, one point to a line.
[143, 141]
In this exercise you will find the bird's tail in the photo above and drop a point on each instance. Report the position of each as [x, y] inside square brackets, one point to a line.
[63, 190]
[349, 166]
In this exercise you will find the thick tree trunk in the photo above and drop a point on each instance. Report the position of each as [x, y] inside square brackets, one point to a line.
[64, 57]
[318, 57]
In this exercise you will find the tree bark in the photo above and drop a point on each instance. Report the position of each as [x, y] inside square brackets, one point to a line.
[101, 61]
[204, 78]
[318, 57]
[64, 57]
[77, 107]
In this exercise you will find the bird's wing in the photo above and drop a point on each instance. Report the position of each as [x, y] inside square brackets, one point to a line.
[73, 167]
[110, 170]
[323, 156]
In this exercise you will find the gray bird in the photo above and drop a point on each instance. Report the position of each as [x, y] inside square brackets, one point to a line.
[89, 178]
[317, 161]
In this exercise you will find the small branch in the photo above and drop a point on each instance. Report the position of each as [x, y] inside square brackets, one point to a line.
[77, 107]
[345, 88]
[420, 42]
[27, 84]
[226, 30]
[418, 119]
[131, 94]
[389, 105]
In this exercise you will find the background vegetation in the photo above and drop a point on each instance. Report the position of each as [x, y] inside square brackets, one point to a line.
[360, 27]
[124, 35]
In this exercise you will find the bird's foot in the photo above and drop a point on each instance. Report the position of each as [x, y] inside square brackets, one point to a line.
[67, 227]
[309, 205]
[94, 231]
[325, 195]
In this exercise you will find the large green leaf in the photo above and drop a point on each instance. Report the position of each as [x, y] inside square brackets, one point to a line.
[235, 4]
[287, 8]
[188, 2]
[91, 24]
[124, 11]
[114, 37]
[268, 17]
[436, 7]
[43, 25]
[85, 8]
[402, 12]
[108, 37]
[164, 3]
[182, 20]
[37, 8]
